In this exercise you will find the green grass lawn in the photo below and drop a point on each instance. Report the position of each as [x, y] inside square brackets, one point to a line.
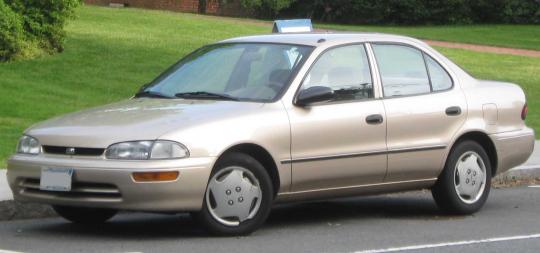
[111, 52]
[517, 36]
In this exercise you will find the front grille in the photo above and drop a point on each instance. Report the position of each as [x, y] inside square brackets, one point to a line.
[59, 150]
[79, 191]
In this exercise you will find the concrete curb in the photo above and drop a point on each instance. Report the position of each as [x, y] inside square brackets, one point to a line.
[15, 210]
[522, 175]
[12, 210]
[5, 192]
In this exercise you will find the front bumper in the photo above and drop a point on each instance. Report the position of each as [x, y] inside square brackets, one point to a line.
[109, 184]
[513, 148]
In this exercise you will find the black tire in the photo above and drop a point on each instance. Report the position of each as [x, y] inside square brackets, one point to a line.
[444, 192]
[248, 226]
[84, 215]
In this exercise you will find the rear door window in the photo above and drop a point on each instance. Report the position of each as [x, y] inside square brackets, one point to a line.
[402, 69]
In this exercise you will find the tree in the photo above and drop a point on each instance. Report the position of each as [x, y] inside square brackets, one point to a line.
[266, 8]
[11, 32]
[32, 27]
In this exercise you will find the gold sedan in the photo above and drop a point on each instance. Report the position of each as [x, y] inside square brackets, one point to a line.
[239, 125]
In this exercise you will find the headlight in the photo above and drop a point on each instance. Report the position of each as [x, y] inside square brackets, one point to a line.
[28, 145]
[144, 150]
[168, 150]
[135, 150]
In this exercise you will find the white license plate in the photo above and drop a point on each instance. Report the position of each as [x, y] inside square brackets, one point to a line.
[56, 179]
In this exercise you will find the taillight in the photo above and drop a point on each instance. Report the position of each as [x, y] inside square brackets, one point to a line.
[524, 112]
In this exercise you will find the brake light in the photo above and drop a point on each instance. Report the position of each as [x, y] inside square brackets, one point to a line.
[524, 112]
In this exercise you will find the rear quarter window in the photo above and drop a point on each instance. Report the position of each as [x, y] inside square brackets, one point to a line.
[440, 80]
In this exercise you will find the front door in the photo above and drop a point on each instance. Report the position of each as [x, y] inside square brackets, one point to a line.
[339, 143]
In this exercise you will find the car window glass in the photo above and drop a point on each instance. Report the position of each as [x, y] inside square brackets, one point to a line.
[402, 69]
[208, 65]
[282, 62]
[345, 70]
[243, 71]
[440, 80]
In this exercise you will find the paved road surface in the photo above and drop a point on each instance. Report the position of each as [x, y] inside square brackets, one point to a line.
[510, 222]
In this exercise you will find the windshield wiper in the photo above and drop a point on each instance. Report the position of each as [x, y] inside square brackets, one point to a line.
[150, 94]
[204, 95]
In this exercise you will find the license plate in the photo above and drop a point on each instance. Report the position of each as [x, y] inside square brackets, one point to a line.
[56, 179]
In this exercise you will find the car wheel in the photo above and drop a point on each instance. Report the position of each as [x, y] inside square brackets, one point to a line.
[238, 197]
[464, 184]
[83, 215]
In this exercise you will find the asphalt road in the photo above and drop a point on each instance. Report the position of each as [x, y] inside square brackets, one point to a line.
[509, 222]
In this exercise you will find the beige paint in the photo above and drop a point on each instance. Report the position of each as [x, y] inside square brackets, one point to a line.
[332, 130]
[321, 151]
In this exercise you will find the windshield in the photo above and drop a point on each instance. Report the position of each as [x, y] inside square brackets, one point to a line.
[243, 72]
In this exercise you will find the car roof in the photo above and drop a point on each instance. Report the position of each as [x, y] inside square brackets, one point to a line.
[319, 38]
[340, 38]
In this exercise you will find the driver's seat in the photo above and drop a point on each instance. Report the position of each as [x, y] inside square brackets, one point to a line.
[279, 76]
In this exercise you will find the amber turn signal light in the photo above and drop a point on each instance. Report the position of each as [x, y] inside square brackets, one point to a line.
[155, 176]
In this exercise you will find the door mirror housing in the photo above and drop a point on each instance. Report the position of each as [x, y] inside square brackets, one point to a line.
[315, 94]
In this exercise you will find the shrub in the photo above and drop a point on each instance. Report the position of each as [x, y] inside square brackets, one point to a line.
[11, 32]
[521, 11]
[44, 20]
[30, 27]
[412, 12]
[266, 8]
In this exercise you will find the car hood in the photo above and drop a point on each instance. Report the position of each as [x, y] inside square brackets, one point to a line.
[134, 119]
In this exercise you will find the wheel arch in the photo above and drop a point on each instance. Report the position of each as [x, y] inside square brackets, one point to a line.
[262, 155]
[486, 143]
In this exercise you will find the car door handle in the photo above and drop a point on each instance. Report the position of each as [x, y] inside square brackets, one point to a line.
[453, 111]
[374, 119]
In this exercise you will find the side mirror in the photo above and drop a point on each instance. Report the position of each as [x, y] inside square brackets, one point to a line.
[313, 95]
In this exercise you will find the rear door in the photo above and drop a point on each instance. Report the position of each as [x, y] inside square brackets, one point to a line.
[423, 110]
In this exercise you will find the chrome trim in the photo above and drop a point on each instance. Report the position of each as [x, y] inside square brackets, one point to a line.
[370, 153]
[414, 149]
[359, 186]
[330, 157]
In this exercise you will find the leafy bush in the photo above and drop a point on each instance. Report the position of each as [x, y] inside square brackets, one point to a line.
[39, 26]
[416, 11]
[11, 32]
[266, 8]
[521, 11]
